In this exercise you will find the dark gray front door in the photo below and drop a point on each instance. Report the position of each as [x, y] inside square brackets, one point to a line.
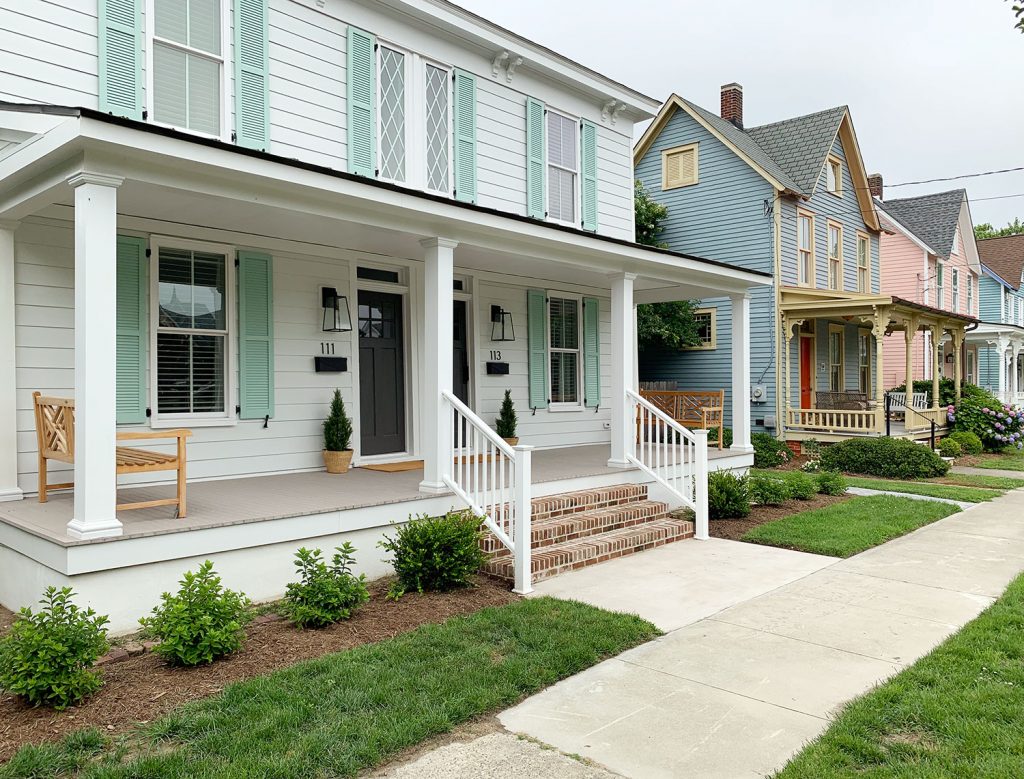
[381, 373]
[460, 353]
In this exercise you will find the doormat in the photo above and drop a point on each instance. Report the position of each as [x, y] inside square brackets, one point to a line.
[408, 465]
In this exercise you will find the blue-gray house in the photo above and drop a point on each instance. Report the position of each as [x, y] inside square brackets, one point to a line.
[1000, 336]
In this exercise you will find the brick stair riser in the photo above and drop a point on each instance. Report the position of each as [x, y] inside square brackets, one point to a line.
[556, 530]
[581, 501]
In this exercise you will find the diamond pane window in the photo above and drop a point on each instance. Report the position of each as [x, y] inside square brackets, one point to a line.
[392, 114]
[438, 132]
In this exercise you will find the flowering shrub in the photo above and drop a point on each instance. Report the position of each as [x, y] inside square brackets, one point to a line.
[996, 424]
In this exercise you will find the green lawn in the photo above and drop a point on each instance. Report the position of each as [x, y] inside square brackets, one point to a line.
[954, 713]
[976, 480]
[342, 713]
[1003, 462]
[966, 494]
[844, 529]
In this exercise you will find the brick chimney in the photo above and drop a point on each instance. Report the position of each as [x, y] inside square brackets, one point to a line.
[875, 185]
[732, 104]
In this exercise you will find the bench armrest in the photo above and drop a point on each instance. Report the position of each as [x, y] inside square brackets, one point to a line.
[145, 435]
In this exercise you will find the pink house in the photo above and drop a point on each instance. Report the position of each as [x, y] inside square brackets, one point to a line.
[928, 257]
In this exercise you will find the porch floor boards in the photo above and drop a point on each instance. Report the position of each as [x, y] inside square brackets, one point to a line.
[254, 499]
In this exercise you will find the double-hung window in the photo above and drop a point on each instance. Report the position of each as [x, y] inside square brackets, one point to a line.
[564, 360]
[956, 290]
[835, 256]
[563, 166]
[187, 56]
[940, 277]
[970, 295]
[834, 176]
[863, 263]
[864, 361]
[192, 329]
[835, 358]
[805, 249]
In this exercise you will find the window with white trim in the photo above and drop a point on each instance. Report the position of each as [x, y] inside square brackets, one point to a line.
[835, 256]
[863, 263]
[956, 289]
[956, 241]
[193, 328]
[805, 249]
[835, 358]
[970, 295]
[940, 274]
[864, 362]
[971, 369]
[437, 84]
[563, 165]
[187, 64]
[704, 319]
[565, 363]
[391, 125]
[834, 176]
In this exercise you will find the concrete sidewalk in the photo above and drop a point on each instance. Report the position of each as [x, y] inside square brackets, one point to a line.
[966, 469]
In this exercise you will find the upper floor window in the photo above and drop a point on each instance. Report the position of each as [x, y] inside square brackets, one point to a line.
[835, 256]
[187, 73]
[970, 295]
[940, 273]
[704, 319]
[679, 166]
[956, 241]
[956, 289]
[863, 263]
[805, 249]
[391, 115]
[563, 164]
[834, 175]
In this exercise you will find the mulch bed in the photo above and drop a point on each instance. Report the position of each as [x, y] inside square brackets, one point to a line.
[142, 688]
[735, 529]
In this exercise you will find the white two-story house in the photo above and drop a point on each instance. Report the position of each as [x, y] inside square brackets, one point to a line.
[214, 213]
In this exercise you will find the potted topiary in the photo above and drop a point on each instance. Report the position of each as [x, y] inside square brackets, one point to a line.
[505, 424]
[337, 437]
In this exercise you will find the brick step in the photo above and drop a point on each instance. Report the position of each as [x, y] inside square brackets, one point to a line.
[586, 500]
[571, 555]
[580, 524]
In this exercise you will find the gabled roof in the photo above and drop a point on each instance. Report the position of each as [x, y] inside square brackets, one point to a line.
[1005, 257]
[932, 218]
[800, 145]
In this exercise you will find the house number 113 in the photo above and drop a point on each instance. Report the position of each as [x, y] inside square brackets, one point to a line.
[495, 355]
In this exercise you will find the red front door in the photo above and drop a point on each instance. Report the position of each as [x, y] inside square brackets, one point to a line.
[806, 368]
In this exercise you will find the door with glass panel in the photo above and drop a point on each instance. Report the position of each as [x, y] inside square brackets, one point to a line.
[381, 373]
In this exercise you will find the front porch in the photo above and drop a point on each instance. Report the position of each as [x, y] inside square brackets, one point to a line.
[1000, 360]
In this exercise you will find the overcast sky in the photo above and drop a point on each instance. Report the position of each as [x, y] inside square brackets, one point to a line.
[935, 87]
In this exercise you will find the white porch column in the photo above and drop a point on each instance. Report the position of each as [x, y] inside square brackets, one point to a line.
[623, 338]
[1013, 373]
[1002, 346]
[958, 358]
[741, 373]
[439, 259]
[95, 356]
[9, 489]
[933, 361]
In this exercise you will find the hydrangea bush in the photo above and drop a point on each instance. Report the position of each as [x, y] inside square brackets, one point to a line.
[996, 424]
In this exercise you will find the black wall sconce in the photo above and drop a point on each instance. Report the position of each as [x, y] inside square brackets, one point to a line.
[502, 326]
[949, 357]
[337, 318]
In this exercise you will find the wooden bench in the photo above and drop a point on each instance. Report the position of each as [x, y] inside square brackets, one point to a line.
[841, 401]
[55, 433]
[703, 410]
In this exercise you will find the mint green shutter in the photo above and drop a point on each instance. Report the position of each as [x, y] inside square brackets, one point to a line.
[252, 121]
[255, 335]
[132, 318]
[534, 158]
[588, 159]
[464, 119]
[591, 352]
[120, 57]
[362, 103]
[536, 326]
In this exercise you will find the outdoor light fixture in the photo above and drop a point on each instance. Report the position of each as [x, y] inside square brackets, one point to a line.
[336, 315]
[502, 326]
[949, 357]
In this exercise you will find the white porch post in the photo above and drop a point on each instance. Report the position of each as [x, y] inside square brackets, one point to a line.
[9, 489]
[623, 336]
[933, 362]
[439, 259]
[1002, 345]
[741, 373]
[1013, 373]
[95, 356]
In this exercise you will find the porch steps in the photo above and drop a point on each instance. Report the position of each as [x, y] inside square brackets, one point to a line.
[576, 529]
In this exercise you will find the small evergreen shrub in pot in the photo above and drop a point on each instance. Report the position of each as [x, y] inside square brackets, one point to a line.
[324, 594]
[201, 622]
[435, 553]
[769, 452]
[831, 483]
[506, 423]
[969, 442]
[949, 447]
[890, 458]
[47, 657]
[802, 486]
[768, 491]
[728, 496]
[337, 437]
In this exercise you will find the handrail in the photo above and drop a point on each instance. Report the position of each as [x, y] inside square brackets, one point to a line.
[906, 421]
[677, 458]
[493, 479]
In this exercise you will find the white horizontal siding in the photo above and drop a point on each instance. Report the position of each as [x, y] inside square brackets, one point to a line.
[501, 147]
[614, 184]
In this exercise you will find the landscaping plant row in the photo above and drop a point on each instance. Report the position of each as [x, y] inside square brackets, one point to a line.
[730, 496]
[49, 656]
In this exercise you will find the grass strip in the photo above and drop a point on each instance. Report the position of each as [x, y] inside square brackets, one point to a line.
[979, 480]
[343, 713]
[954, 713]
[965, 494]
[846, 528]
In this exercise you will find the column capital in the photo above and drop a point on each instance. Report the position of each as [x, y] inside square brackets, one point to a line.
[623, 275]
[88, 177]
[438, 243]
[9, 224]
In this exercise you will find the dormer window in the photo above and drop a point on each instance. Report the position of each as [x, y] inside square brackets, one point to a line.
[834, 176]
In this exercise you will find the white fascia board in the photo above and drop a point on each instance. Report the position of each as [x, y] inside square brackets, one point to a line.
[171, 161]
[30, 122]
[493, 38]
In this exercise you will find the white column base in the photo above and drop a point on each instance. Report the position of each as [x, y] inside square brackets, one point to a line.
[11, 493]
[433, 488]
[620, 464]
[739, 448]
[109, 528]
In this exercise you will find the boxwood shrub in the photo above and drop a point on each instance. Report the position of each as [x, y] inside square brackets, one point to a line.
[969, 442]
[728, 495]
[435, 553]
[890, 458]
[768, 490]
[802, 486]
[831, 483]
[950, 447]
[769, 452]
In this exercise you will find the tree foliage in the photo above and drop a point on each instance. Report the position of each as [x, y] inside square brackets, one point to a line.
[1018, 11]
[986, 230]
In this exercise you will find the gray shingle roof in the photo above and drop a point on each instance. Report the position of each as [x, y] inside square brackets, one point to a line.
[932, 218]
[799, 145]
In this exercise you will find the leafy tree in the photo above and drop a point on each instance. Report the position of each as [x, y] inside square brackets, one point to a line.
[666, 325]
[1018, 11]
[986, 230]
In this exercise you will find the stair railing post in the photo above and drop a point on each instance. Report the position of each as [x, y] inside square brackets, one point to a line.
[888, 411]
[700, 490]
[522, 498]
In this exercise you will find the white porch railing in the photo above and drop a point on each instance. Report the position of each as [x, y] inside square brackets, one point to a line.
[1011, 398]
[677, 458]
[493, 479]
